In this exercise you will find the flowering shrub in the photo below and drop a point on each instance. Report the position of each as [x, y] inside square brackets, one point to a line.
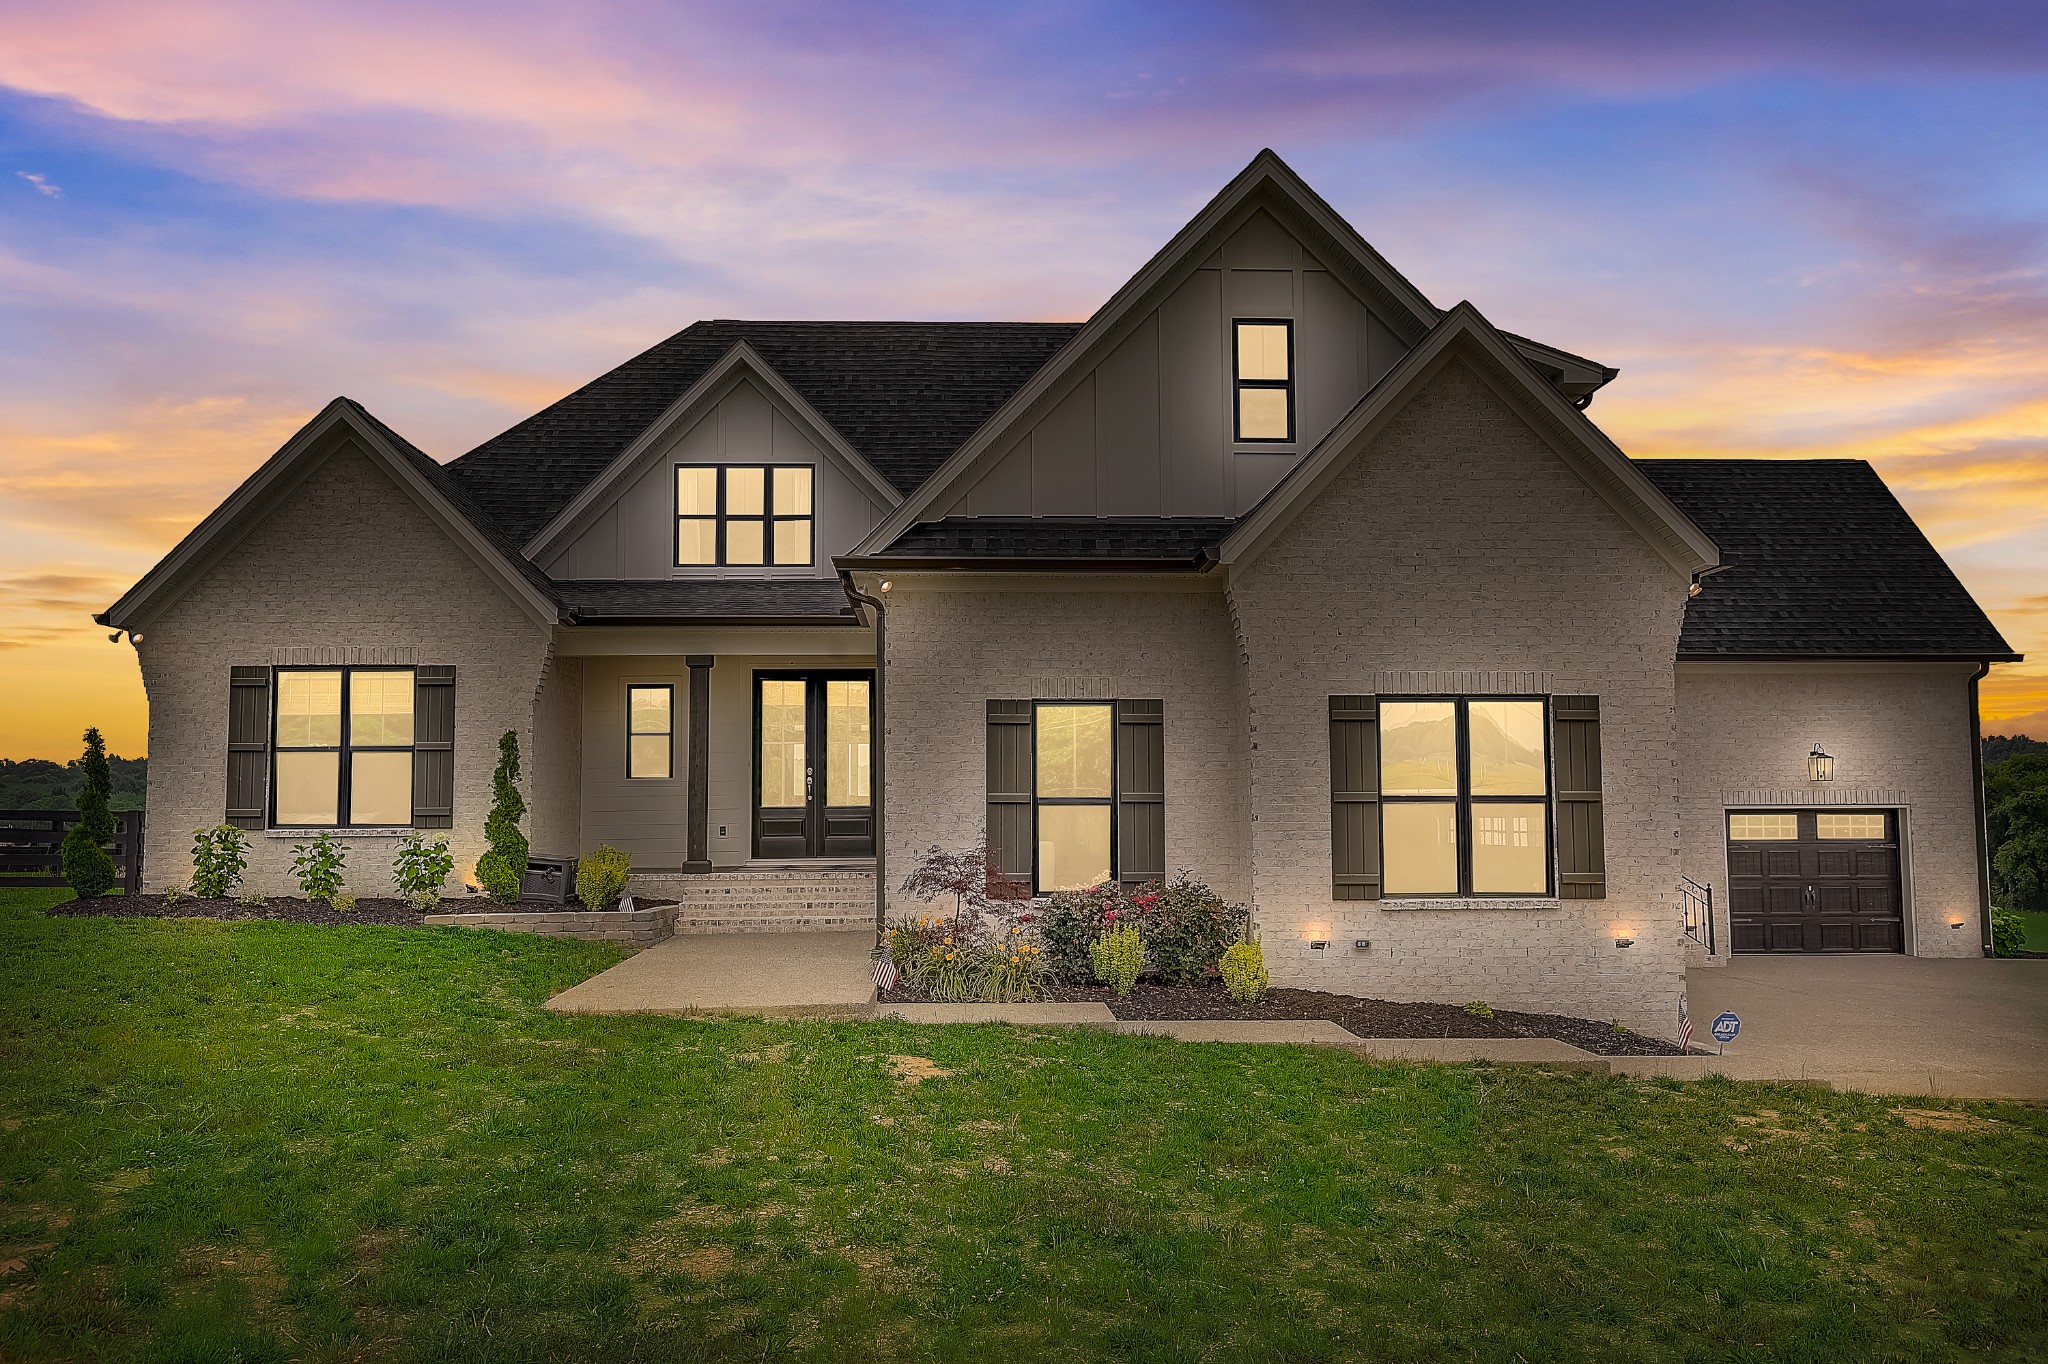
[219, 857]
[1119, 955]
[1068, 925]
[1188, 927]
[1244, 972]
[974, 961]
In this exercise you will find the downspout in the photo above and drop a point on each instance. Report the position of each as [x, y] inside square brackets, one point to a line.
[879, 766]
[1977, 795]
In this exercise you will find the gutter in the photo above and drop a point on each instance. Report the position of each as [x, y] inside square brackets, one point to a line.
[1978, 825]
[1201, 561]
[878, 768]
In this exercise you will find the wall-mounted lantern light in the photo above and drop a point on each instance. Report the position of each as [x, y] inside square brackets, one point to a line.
[1624, 942]
[1819, 765]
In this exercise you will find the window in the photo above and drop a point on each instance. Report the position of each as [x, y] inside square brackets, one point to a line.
[1074, 794]
[650, 731]
[1465, 797]
[1866, 826]
[344, 747]
[1265, 380]
[743, 514]
[1763, 828]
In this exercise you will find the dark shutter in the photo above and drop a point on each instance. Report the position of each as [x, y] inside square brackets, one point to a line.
[248, 800]
[1581, 843]
[1354, 798]
[433, 747]
[1009, 791]
[1141, 791]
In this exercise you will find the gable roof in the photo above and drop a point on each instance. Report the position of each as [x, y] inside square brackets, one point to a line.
[1463, 332]
[904, 395]
[1266, 182]
[1819, 560]
[426, 482]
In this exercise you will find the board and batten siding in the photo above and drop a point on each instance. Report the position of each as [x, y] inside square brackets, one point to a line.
[1147, 430]
[634, 535]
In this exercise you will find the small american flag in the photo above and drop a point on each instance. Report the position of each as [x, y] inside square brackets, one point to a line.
[1684, 1026]
[885, 973]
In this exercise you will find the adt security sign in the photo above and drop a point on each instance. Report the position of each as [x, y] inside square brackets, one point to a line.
[1725, 1027]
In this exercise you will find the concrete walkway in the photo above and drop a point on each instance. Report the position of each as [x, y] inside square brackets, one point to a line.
[745, 973]
[1973, 1028]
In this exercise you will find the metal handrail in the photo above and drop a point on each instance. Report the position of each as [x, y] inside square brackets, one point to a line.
[1698, 902]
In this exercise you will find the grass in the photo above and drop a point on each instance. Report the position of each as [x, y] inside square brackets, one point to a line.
[2037, 930]
[263, 1141]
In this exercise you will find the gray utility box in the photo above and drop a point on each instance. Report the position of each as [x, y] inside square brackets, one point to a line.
[552, 879]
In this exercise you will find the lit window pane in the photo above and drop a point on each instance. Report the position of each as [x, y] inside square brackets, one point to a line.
[696, 492]
[743, 542]
[308, 709]
[1763, 828]
[793, 491]
[1509, 853]
[1261, 351]
[696, 542]
[1419, 848]
[1262, 414]
[380, 788]
[1851, 826]
[1418, 748]
[1506, 739]
[648, 709]
[746, 491]
[647, 755]
[309, 787]
[793, 542]
[379, 708]
[1073, 846]
[1075, 750]
[846, 743]
[783, 745]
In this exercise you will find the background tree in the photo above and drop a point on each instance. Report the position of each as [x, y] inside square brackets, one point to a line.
[87, 867]
[2016, 826]
[502, 868]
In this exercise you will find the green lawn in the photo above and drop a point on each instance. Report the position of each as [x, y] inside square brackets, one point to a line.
[2037, 931]
[257, 1141]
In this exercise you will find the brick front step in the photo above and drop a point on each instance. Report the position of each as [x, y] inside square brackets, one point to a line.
[764, 899]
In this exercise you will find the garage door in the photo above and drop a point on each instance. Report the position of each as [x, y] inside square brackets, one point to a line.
[1814, 881]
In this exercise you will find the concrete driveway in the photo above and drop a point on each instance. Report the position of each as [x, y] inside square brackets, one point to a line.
[1973, 1029]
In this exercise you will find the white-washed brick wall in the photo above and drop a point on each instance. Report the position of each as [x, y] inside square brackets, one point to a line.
[950, 652]
[1901, 738]
[557, 803]
[347, 569]
[1459, 542]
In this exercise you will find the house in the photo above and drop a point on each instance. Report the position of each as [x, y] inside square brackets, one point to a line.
[1272, 570]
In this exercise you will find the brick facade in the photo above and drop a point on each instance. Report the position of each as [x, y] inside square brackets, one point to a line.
[347, 569]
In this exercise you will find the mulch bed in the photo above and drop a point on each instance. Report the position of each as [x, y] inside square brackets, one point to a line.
[389, 913]
[1364, 1017]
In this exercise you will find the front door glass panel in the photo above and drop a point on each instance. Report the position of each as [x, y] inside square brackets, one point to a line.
[784, 742]
[846, 742]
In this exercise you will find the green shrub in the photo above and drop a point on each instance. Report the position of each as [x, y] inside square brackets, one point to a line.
[502, 869]
[2008, 933]
[1478, 1008]
[1244, 972]
[970, 963]
[421, 869]
[1187, 928]
[342, 902]
[219, 857]
[318, 866]
[1118, 956]
[88, 869]
[1068, 924]
[251, 899]
[601, 877]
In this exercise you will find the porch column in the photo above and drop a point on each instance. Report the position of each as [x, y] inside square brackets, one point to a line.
[700, 762]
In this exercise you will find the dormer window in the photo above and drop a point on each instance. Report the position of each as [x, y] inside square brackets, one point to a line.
[743, 515]
[1264, 352]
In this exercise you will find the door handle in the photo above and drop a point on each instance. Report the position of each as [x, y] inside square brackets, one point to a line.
[1809, 896]
[807, 783]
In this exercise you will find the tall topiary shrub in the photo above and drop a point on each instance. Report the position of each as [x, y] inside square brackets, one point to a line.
[502, 868]
[87, 867]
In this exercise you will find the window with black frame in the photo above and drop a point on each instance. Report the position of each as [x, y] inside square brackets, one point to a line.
[1074, 794]
[650, 731]
[1465, 796]
[342, 754]
[1263, 359]
[744, 515]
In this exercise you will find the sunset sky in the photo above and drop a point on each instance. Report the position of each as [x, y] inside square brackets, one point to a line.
[1812, 229]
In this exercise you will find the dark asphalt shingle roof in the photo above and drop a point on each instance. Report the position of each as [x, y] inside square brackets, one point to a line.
[999, 538]
[1821, 561]
[904, 395]
[727, 599]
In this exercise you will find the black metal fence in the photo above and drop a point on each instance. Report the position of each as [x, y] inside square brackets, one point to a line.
[31, 843]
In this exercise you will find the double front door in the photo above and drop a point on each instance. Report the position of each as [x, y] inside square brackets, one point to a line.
[813, 789]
